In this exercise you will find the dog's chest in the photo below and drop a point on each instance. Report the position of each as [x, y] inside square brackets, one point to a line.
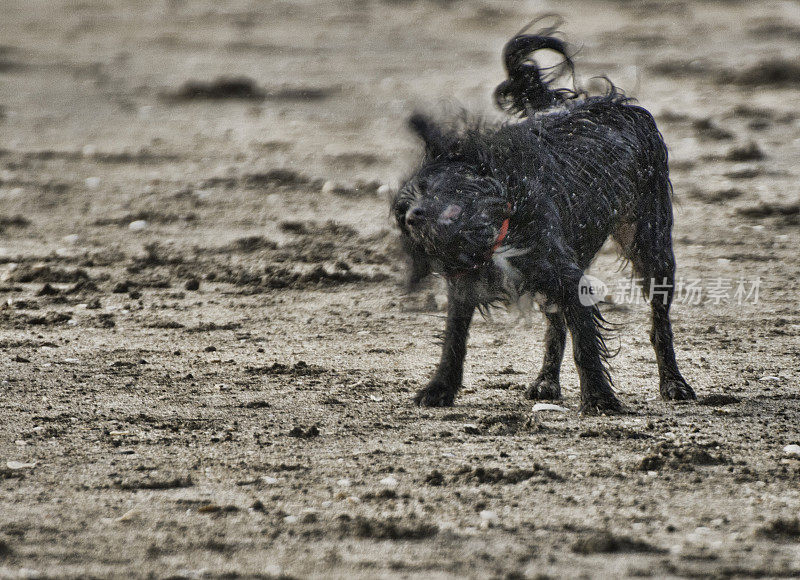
[503, 283]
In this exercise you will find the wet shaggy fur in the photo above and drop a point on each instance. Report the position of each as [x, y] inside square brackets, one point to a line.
[563, 174]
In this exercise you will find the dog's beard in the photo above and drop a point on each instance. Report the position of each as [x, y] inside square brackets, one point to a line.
[459, 245]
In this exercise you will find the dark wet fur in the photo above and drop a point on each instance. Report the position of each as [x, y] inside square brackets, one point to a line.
[574, 170]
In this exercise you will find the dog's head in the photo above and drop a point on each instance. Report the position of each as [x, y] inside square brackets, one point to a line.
[450, 215]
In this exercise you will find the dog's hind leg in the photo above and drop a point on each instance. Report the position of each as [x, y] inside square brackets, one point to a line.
[558, 279]
[589, 350]
[585, 324]
[650, 252]
[441, 390]
[547, 384]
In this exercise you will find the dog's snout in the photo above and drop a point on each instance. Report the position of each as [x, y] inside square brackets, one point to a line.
[414, 216]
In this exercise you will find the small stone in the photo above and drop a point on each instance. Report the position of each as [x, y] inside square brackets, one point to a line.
[549, 407]
[290, 519]
[488, 519]
[129, 515]
[19, 465]
[344, 482]
[389, 481]
[385, 191]
[92, 182]
[769, 378]
[269, 480]
[137, 225]
[71, 239]
[331, 186]
[792, 450]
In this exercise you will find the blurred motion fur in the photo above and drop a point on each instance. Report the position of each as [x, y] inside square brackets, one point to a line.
[504, 210]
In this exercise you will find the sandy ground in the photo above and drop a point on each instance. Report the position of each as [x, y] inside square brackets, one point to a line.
[207, 359]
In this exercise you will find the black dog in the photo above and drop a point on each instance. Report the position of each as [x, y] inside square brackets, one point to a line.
[522, 208]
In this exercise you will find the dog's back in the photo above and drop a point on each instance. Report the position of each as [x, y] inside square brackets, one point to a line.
[600, 159]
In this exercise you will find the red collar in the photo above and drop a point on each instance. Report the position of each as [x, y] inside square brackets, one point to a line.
[501, 235]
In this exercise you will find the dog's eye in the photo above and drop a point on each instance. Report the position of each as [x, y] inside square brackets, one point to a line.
[450, 214]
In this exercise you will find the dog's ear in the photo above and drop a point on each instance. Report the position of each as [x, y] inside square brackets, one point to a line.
[418, 265]
[436, 140]
[418, 269]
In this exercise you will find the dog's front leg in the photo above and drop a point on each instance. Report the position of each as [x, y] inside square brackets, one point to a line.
[442, 389]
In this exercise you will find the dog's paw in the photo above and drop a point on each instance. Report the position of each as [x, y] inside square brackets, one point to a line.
[436, 394]
[542, 388]
[608, 404]
[676, 390]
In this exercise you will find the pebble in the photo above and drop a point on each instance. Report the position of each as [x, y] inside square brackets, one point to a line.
[330, 186]
[549, 407]
[269, 480]
[488, 519]
[344, 482]
[290, 519]
[385, 191]
[488, 515]
[129, 515]
[389, 481]
[792, 450]
[92, 182]
[19, 465]
[137, 225]
[767, 378]
[71, 239]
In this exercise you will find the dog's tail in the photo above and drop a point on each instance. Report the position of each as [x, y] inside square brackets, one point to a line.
[527, 88]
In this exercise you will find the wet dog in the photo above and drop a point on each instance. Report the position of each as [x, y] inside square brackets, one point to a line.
[506, 210]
